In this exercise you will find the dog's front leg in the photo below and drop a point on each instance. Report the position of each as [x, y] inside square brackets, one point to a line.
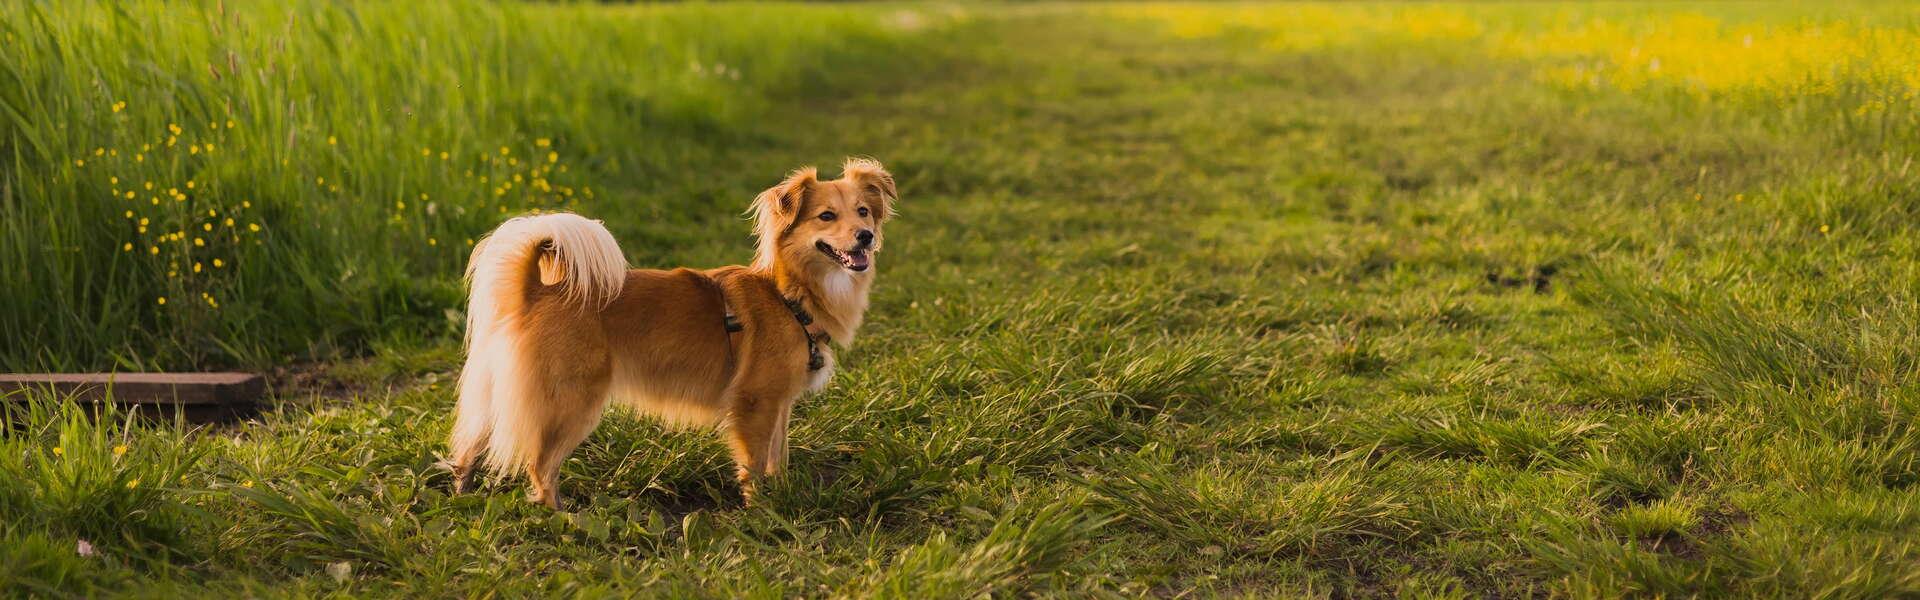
[752, 423]
[777, 442]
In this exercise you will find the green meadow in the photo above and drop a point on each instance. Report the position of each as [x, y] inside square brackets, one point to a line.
[1360, 299]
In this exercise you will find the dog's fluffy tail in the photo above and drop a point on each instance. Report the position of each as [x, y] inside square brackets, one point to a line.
[567, 251]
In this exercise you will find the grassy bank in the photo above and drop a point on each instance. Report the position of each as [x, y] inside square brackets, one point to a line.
[1175, 306]
[212, 184]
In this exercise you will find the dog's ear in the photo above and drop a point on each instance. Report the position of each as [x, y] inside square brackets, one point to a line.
[774, 210]
[874, 181]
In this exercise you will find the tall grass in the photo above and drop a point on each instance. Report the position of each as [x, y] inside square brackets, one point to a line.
[83, 483]
[211, 183]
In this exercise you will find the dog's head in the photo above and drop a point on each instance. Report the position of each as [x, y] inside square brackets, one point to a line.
[825, 224]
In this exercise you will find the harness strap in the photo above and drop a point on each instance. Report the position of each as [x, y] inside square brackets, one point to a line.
[731, 323]
[815, 361]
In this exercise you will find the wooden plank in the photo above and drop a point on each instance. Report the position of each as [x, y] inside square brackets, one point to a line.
[199, 396]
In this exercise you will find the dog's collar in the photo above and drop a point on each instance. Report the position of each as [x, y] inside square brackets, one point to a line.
[815, 361]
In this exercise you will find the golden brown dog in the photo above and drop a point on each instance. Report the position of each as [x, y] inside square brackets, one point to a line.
[557, 327]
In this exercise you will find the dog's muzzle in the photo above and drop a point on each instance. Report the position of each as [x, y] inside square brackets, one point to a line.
[854, 260]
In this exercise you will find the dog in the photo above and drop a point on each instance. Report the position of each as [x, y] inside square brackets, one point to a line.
[558, 327]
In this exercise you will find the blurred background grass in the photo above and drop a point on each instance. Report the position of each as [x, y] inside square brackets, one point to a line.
[207, 184]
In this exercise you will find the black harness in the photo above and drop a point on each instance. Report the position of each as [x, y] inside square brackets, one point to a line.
[815, 361]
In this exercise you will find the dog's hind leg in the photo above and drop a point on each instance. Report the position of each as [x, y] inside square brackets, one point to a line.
[472, 423]
[572, 411]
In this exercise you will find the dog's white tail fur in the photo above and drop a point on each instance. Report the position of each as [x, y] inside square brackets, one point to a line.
[523, 252]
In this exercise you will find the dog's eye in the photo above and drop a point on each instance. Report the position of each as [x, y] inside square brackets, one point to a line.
[863, 212]
[828, 216]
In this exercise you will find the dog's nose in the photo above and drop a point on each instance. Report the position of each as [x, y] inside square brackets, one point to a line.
[865, 237]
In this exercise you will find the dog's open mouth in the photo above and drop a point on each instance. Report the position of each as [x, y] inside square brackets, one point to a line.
[853, 260]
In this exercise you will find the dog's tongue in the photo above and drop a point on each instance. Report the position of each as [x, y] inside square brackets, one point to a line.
[857, 260]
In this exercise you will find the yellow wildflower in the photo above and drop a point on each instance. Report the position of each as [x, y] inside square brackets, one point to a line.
[133, 484]
[199, 242]
[253, 227]
[120, 450]
[57, 451]
[247, 484]
[79, 163]
[229, 124]
[433, 242]
[161, 300]
[196, 267]
[331, 141]
[156, 250]
[128, 247]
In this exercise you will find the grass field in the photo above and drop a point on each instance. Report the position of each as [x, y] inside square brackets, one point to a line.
[1344, 300]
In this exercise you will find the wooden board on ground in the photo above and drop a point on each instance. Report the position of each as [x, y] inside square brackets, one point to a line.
[200, 397]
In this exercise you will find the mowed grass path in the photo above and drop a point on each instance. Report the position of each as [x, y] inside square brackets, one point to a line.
[1171, 314]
